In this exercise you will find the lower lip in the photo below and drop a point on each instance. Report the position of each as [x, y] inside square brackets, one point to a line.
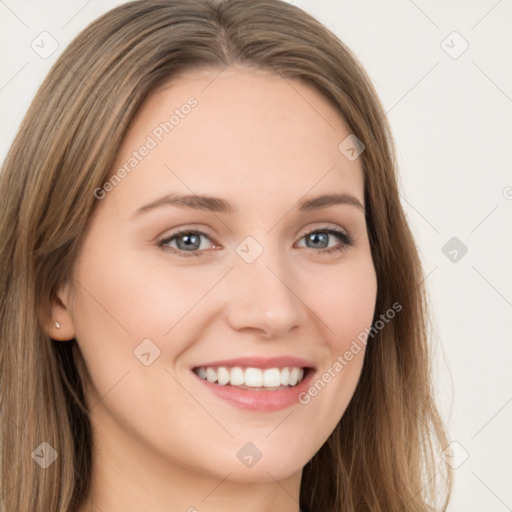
[260, 400]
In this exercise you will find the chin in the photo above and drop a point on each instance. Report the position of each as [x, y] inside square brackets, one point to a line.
[265, 461]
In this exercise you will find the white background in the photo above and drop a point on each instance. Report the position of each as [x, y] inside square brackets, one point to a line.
[451, 119]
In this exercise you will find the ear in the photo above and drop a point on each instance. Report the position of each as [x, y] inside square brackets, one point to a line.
[58, 322]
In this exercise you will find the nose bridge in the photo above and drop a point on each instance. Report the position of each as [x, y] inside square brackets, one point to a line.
[264, 298]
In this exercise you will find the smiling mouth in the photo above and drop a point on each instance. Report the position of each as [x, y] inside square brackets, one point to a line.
[253, 379]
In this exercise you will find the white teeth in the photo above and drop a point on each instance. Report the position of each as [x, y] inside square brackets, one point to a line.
[222, 376]
[272, 378]
[236, 376]
[252, 377]
[294, 376]
[211, 375]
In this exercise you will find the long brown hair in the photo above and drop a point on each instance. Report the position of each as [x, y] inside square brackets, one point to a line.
[382, 454]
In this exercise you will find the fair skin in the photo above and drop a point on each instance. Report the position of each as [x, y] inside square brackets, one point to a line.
[162, 439]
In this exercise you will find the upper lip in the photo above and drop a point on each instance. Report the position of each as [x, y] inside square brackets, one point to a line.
[259, 362]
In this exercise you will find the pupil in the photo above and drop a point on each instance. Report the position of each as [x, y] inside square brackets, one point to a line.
[316, 236]
[188, 241]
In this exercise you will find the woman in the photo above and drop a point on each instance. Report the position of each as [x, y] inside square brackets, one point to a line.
[173, 336]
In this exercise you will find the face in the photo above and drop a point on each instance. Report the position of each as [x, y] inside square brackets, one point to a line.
[196, 317]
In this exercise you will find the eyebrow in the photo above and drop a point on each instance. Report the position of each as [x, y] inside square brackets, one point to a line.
[219, 205]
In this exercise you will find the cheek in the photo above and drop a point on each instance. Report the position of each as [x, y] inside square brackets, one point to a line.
[346, 307]
[116, 310]
[133, 299]
[346, 302]
[119, 308]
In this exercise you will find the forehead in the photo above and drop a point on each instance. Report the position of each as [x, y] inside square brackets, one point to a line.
[236, 133]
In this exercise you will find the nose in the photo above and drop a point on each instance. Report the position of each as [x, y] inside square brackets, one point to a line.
[262, 298]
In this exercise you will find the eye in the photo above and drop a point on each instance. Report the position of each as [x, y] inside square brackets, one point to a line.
[187, 241]
[319, 238]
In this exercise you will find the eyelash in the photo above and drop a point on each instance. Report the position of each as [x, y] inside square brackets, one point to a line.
[346, 239]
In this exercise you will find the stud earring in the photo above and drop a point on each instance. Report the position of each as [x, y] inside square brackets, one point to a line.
[57, 325]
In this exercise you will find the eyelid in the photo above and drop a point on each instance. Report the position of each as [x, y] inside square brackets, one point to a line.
[323, 227]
